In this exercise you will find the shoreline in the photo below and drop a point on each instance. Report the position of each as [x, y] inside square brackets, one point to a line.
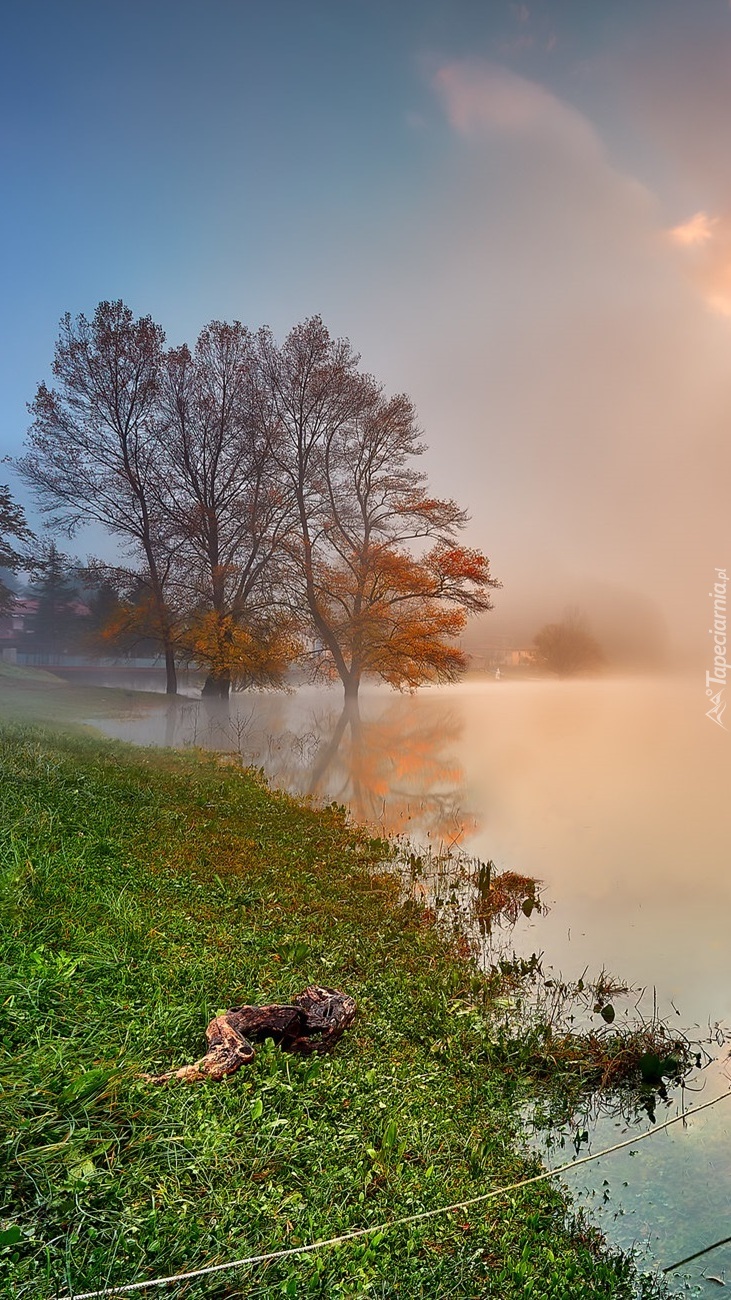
[152, 889]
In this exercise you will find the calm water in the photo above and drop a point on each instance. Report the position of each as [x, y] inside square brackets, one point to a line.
[615, 794]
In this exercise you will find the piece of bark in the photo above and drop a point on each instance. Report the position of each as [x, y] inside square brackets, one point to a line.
[312, 1022]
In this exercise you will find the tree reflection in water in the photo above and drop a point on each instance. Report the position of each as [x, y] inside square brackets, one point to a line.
[388, 761]
[392, 769]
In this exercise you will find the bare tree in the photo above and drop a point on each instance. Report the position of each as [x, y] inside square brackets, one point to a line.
[224, 502]
[375, 560]
[93, 445]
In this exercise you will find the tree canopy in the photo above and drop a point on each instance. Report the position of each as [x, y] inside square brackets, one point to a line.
[568, 648]
[268, 496]
[93, 445]
[374, 561]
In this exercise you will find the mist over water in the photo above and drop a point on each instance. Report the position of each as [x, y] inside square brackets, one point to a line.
[611, 791]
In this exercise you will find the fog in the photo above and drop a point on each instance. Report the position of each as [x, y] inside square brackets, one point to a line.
[570, 372]
[611, 791]
[565, 336]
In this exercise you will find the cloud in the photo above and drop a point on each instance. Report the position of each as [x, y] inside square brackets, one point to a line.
[706, 243]
[481, 98]
[696, 230]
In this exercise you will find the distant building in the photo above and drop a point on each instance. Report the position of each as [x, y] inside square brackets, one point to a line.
[17, 631]
[16, 623]
[502, 653]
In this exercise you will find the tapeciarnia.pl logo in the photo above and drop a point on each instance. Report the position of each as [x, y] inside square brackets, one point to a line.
[717, 679]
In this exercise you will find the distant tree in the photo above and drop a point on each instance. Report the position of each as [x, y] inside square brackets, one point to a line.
[13, 529]
[225, 507]
[374, 562]
[568, 648]
[54, 627]
[103, 601]
[108, 596]
[94, 453]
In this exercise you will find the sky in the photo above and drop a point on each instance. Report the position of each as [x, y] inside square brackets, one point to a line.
[520, 215]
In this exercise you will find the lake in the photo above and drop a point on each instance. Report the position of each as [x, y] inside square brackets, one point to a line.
[613, 792]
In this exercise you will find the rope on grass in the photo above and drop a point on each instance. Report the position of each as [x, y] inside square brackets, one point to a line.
[270, 1255]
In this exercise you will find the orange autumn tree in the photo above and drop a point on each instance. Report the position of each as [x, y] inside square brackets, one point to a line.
[247, 656]
[375, 564]
[131, 615]
[397, 616]
[224, 506]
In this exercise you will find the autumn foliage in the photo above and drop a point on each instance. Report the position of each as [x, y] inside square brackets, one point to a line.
[375, 563]
[268, 497]
[393, 619]
[230, 651]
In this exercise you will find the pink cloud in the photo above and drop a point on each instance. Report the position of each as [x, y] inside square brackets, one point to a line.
[481, 97]
[697, 230]
[706, 242]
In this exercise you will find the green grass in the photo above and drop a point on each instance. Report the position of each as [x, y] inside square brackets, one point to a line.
[32, 695]
[19, 673]
[142, 892]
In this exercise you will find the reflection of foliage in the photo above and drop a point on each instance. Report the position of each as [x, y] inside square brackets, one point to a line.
[393, 772]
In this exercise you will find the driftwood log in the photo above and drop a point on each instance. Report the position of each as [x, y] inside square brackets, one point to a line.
[312, 1022]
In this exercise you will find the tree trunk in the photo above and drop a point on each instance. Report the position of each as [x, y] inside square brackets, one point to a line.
[216, 687]
[351, 685]
[171, 673]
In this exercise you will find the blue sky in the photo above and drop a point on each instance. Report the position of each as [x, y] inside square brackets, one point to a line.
[519, 213]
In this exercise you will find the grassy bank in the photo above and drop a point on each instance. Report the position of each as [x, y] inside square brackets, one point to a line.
[141, 893]
[36, 696]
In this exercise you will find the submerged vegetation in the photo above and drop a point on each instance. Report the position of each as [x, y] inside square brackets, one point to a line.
[143, 892]
[563, 1034]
